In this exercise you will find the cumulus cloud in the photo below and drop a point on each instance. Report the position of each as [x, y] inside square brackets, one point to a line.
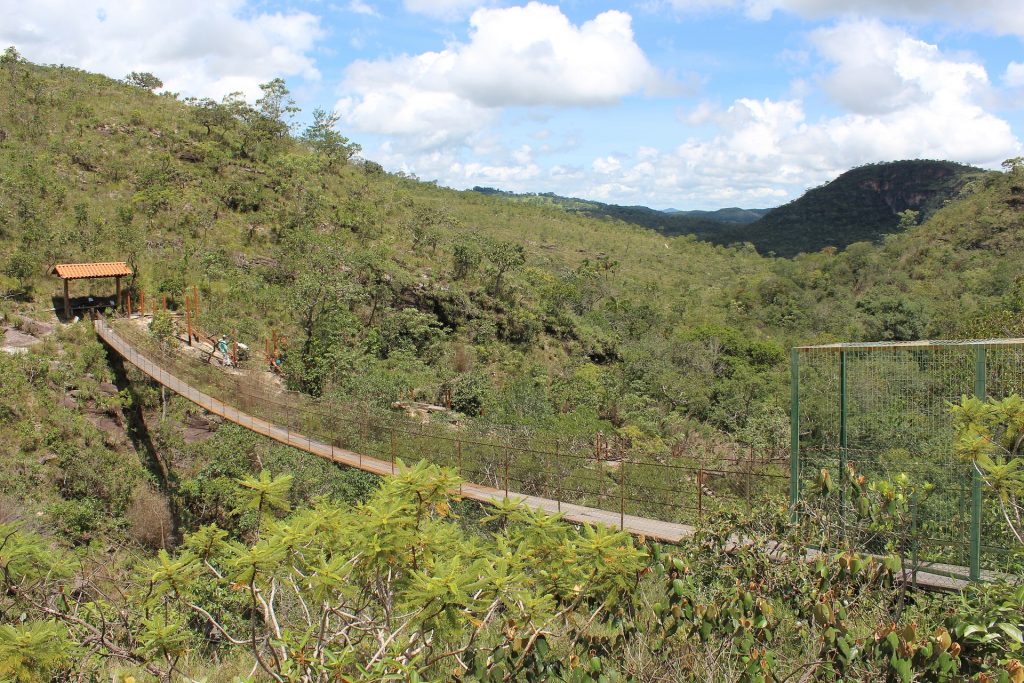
[519, 56]
[446, 10]
[1014, 76]
[761, 152]
[364, 8]
[925, 105]
[209, 48]
[998, 16]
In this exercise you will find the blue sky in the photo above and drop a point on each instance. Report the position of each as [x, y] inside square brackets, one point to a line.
[668, 103]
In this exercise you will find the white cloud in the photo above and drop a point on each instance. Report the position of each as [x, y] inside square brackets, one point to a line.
[364, 8]
[210, 48]
[606, 165]
[999, 16]
[764, 151]
[520, 56]
[1014, 76]
[925, 106]
[881, 69]
[446, 10]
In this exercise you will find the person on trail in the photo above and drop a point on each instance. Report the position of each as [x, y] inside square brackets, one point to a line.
[222, 346]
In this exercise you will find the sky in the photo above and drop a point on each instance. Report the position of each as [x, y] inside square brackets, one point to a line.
[689, 104]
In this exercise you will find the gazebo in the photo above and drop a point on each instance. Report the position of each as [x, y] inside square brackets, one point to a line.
[90, 271]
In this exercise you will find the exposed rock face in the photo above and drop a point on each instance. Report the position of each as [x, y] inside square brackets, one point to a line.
[16, 341]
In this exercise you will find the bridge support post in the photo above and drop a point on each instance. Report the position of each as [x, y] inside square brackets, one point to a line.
[506, 470]
[394, 447]
[700, 490]
[622, 487]
[558, 477]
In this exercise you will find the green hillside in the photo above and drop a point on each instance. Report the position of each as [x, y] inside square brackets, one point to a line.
[143, 540]
[862, 204]
[669, 222]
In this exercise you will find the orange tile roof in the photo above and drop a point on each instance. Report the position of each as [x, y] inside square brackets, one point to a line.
[81, 271]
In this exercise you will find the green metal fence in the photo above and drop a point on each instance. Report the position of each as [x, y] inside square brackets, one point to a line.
[883, 408]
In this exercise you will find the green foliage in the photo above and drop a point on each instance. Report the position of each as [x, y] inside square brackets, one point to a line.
[162, 327]
[34, 651]
[990, 434]
[144, 80]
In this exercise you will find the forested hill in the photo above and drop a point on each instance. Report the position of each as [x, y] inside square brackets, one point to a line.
[862, 204]
[387, 286]
[669, 222]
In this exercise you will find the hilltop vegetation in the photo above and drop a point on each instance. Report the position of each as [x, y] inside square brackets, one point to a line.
[705, 224]
[863, 204]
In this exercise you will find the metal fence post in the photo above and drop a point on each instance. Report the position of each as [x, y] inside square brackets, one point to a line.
[841, 475]
[794, 434]
[980, 391]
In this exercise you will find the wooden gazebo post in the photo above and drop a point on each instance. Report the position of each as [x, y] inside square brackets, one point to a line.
[67, 300]
[117, 285]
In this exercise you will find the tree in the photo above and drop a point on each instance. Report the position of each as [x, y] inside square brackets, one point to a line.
[210, 114]
[275, 104]
[333, 147]
[504, 257]
[1014, 165]
[144, 80]
[465, 259]
[908, 219]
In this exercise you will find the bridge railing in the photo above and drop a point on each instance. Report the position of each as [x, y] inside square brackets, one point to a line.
[598, 471]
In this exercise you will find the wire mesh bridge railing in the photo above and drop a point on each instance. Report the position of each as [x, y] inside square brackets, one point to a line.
[677, 486]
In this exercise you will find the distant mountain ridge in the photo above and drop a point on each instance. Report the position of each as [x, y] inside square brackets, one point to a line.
[862, 204]
[732, 214]
[668, 222]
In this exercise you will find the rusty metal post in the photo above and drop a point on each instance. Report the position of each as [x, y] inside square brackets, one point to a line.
[700, 491]
[506, 470]
[558, 477]
[458, 450]
[195, 300]
[750, 469]
[188, 319]
[394, 448]
[622, 487]
[129, 295]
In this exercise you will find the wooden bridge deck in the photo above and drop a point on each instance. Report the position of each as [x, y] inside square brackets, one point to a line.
[935, 576]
